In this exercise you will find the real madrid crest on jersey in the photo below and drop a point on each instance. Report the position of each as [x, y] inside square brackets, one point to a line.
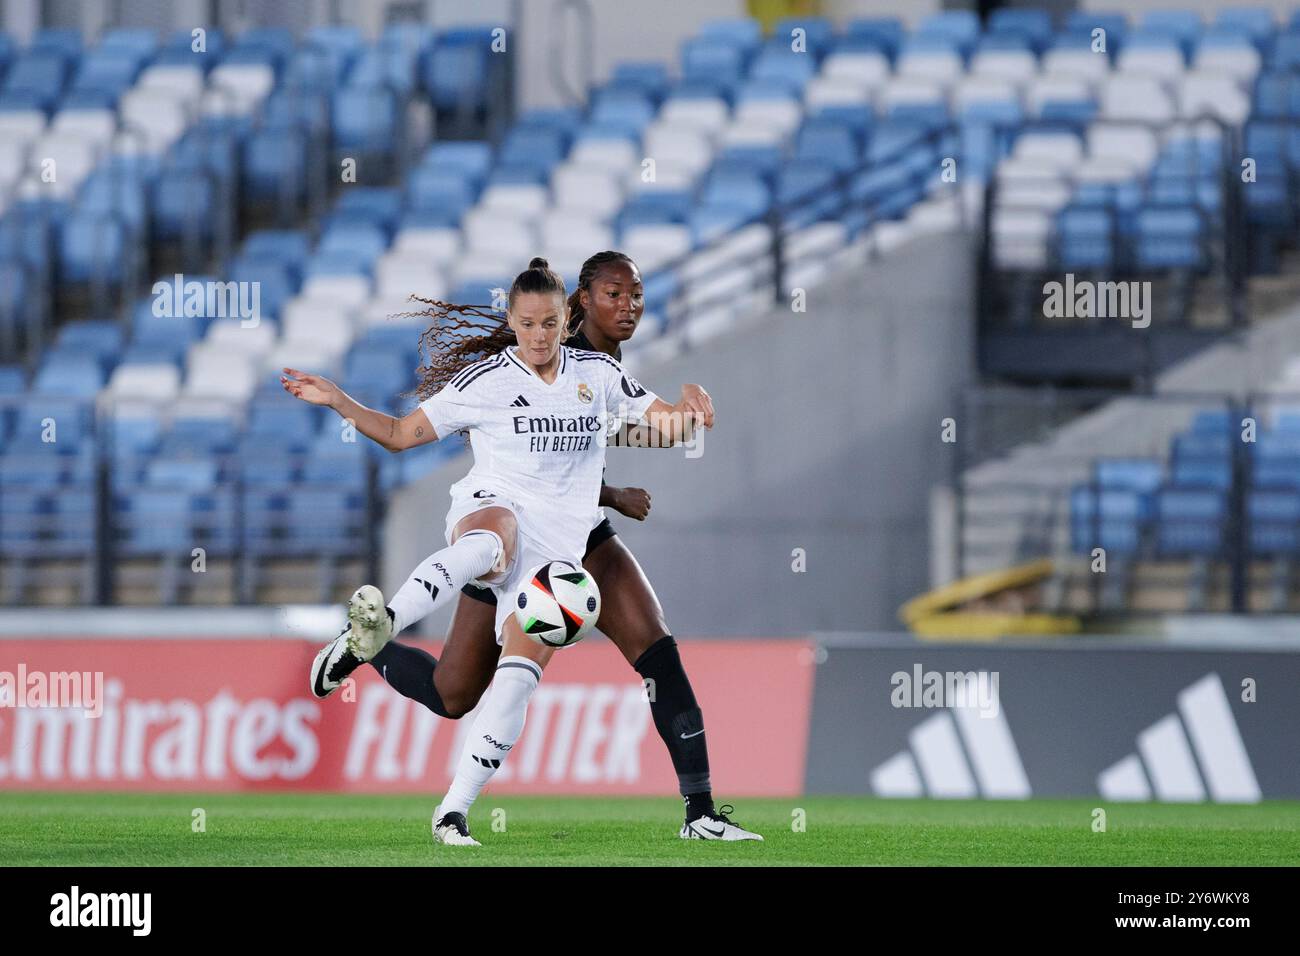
[584, 393]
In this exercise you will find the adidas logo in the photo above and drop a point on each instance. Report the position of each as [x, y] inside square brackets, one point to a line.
[519, 402]
[956, 754]
[1164, 763]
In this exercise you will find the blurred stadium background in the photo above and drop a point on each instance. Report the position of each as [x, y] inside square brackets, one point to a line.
[847, 213]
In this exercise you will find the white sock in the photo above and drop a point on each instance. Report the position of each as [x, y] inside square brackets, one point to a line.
[439, 577]
[496, 729]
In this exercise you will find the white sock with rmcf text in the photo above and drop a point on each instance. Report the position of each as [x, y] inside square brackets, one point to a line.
[496, 730]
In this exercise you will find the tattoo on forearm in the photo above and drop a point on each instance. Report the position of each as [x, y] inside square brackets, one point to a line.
[419, 431]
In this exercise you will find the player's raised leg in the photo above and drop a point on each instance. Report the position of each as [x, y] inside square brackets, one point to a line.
[496, 730]
[483, 547]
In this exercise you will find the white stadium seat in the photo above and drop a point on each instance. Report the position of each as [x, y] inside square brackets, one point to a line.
[1163, 62]
[1057, 88]
[1137, 98]
[184, 82]
[301, 313]
[1243, 61]
[943, 67]
[616, 155]
[249, 83]
[592, 189]
[708, 114]
[1213, 94]
[869, 69]
[231, 334]
[1020, 238]
[1136, 144]
[566, 229]
[399, 274]
[835, 91]
[95, 126]
[983, 89]
[442, 244]
[22, 127]
[349, 291]
[1018, 65]
[518, 199]
[1062, 150]
[1076, 62]
[782, 114]
[909, 91]
[495, 230]
[653, 246]
[151, 382]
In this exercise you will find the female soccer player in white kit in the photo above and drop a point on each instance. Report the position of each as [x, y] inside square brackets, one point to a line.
[538, 416]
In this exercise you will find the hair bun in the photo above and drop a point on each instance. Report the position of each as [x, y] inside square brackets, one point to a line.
[537, 262]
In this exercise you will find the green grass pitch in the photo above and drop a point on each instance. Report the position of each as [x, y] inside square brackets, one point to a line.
[342, 830]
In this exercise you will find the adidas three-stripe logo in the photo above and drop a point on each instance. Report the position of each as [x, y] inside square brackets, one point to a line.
[936, 763]
[492, 764]
[1165, 758]
[519, 402]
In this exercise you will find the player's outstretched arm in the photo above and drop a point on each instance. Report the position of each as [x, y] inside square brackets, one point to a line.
[677, 423]
[394, 434]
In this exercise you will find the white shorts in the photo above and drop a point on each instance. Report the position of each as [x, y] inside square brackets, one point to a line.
[529, 554]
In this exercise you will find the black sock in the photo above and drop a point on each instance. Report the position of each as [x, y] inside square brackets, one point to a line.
[698, 804]
[679, 722]
[409, 671]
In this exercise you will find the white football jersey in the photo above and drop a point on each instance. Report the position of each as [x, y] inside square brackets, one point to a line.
[541, 446]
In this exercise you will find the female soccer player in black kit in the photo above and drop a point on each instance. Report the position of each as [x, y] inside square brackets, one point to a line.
[604, 311]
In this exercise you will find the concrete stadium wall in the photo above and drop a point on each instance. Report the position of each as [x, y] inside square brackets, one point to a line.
[827, 440]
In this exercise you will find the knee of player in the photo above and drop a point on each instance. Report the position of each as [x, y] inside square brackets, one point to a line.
[457, 706]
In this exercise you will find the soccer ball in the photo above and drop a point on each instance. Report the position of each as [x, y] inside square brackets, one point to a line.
[558, 604]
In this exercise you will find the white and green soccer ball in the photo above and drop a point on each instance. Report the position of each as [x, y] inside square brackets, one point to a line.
[558, 604]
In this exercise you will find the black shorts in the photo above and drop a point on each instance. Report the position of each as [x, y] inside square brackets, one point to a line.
[599, 535]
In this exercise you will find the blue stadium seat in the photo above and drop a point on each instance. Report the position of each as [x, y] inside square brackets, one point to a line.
[1189, 522]
[744, 33]
[1142, 475]
[365, 119]
[273, 164]
[456, 70]
[1273, 519]
[73, 375]
[92, 247]
[886, 33]
[1169, 238]
[715, 61]
[473, 159]
[829, 141]
[1086, 238]
[432, 189]
[650, 77]
[1034, 25]
[745, 192]
[1110, 519]
[777, 61]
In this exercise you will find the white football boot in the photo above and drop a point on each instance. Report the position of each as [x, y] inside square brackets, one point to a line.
[716, 826]
[369, 628]
[452, 829]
